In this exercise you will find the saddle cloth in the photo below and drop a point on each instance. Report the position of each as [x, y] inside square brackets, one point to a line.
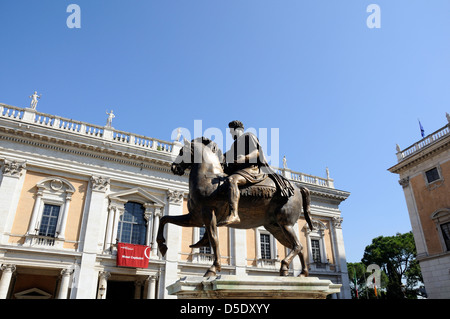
[265, 189]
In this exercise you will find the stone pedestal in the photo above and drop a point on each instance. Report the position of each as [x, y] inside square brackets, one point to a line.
[256, 287]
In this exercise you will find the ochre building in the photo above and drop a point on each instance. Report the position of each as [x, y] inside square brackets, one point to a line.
[424, 170]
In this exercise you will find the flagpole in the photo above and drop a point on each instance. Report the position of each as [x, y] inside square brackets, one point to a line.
[422, 131]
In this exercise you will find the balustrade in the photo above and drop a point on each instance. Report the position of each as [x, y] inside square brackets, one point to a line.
[426, 141]
[82, 128]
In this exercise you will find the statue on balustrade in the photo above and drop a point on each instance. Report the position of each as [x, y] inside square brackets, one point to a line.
[34, 100]
[238, 189]
[110, 118]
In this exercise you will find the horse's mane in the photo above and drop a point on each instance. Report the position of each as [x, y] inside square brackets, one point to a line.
[203, 140]
[211, 144]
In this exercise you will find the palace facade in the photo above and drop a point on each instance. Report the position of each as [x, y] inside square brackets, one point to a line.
[424, 171]
[71, 192]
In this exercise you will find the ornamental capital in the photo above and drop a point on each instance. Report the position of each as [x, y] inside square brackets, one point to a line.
[67, 272]
[337, 222]
[8, 267]
[13, 168]
[404, 182]
[100, 183]
[174, 196]
[104, 275]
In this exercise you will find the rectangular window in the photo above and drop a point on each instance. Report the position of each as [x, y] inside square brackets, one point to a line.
[132, 225]
[445, 228]
[203, 250]
[315, 248]
[432, 175]
[49, 220]
[265, 246]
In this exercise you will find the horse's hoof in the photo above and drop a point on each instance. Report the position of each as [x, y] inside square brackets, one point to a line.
[303, 274]
[284, 273]
[162, 249]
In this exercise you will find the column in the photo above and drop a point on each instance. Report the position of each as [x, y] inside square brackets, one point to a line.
[148, 215]
[34, 215]
[103, 284]
[109, 228]
[5, 281]
[64, 285]
[151, 287]
[120, 210]
[157, 216]
[10, 187]
[173, 241]
[62, 225]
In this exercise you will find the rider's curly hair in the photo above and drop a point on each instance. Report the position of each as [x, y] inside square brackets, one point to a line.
[236, 124]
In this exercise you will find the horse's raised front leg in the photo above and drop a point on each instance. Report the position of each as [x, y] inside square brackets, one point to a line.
[181, 220]
[209, 218]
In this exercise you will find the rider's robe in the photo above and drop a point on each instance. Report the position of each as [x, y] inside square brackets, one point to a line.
[255, 170]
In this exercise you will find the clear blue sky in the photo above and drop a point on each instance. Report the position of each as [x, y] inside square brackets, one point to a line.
[341, 94]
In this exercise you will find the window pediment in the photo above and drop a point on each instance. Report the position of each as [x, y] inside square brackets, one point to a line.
[136, 194]
[55, 185]
[33, 293]
[441, 215]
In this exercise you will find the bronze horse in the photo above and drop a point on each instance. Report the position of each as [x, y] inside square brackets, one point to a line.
[208, 206]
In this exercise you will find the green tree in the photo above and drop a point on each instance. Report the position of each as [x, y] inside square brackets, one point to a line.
[396, 255]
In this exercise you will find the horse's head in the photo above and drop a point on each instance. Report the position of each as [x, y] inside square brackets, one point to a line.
[198, 151]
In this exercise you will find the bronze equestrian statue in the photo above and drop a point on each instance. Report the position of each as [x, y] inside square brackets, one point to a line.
[270, 202]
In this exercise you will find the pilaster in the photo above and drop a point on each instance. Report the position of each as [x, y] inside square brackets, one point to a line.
[92, 237]
[239, 246]
[173, 240]
[96, 216]
[341, 259]
[10, 189]
[414, 217]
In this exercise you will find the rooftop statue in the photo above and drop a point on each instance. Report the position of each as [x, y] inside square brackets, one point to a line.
[34, 100]
[110, 118]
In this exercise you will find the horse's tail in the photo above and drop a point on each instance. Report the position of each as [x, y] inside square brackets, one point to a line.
[306, 199]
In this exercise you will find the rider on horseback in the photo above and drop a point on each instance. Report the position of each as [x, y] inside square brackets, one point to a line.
[245, 163]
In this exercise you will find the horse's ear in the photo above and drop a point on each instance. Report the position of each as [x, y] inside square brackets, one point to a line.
[186, 142]
[205, 141]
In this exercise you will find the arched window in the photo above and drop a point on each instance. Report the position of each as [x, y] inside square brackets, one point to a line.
[132, 224]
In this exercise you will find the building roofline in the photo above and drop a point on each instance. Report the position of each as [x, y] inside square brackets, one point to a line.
[422, 149]
[25, 124]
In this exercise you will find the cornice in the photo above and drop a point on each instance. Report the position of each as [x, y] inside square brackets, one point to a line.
[419, 157]
[88, 150]
[325, 192]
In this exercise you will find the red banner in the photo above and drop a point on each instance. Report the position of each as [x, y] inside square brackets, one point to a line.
[129, 255]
